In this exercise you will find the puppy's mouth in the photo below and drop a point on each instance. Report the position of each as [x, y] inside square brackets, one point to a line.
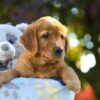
[51, 59]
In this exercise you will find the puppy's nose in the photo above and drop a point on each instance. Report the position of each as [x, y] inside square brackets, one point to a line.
[5, 47]
[57, 51]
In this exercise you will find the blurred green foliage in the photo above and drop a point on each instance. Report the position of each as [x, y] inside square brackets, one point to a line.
[81, 16]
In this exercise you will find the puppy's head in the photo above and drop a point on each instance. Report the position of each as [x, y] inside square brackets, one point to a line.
[47, 38]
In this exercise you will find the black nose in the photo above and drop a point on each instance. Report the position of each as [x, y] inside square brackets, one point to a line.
[57, 51]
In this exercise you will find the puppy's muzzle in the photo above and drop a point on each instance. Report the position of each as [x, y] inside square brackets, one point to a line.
[58, 51]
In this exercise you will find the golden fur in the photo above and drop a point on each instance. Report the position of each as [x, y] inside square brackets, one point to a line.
[38, 58]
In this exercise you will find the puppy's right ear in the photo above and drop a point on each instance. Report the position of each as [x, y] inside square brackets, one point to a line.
[29, 39]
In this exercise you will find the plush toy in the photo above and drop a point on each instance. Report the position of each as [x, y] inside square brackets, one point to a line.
[18, 48]
[10, 48]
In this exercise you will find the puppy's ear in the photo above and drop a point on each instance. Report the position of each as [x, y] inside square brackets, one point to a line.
[29, 39]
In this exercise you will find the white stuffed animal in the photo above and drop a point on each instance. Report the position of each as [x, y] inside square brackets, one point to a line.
[10, 48]
[18, 48]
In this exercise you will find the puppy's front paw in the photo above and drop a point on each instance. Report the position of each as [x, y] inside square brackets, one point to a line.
[2, 78]
[74, 85]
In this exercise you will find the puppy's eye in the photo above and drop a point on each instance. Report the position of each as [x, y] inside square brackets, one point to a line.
[62, 37]
[46, 35]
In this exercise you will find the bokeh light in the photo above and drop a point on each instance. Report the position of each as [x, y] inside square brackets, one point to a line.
[73, 41]
[74, 11]
[87, 62]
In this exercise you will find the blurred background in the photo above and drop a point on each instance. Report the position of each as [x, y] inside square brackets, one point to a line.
[82, 17]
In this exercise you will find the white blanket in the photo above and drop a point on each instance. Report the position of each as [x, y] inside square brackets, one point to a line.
[35, 89]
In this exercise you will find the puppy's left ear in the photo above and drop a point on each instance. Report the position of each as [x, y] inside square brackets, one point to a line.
[29, 39]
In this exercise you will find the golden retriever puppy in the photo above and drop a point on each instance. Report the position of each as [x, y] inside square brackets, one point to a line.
[45, 44]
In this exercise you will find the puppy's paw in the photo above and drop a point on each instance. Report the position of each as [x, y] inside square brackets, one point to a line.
[2, 78]
[74, 85]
